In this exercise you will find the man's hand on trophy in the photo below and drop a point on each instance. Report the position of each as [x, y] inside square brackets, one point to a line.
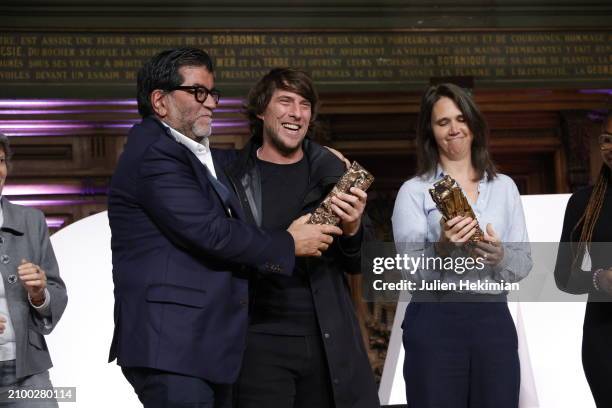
[311, 239]
[491, 249]
[350, 207]
[457, 230]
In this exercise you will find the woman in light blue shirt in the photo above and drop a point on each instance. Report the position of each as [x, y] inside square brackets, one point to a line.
[461, 344]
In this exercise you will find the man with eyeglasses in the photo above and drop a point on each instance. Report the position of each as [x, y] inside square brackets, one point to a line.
[181, 252]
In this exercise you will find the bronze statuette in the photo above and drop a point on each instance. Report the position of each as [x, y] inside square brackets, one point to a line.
[451, 202]
[355, 176]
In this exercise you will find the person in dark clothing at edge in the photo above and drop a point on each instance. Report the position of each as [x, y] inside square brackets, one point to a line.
[588, 228]
[304, 347]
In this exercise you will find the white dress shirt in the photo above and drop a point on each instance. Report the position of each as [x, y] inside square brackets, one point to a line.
[201, 149]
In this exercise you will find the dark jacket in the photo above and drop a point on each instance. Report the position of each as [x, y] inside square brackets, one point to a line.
[349, 368]
[178, 245]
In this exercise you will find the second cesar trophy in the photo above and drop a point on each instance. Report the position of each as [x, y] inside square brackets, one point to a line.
[451, 202]
[355, 176]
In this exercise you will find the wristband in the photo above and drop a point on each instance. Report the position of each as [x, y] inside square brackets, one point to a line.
[596, 279]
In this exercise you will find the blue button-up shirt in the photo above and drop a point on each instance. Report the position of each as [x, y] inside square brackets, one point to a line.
[416, 225]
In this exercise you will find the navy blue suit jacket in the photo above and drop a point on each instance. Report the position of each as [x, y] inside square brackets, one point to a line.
[181, 254]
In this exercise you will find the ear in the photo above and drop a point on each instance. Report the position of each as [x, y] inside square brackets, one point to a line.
[158, 103]
[260, 116]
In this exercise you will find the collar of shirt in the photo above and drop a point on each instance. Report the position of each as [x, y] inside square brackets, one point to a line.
[200, 149]
[195, 147]
[482, 187]
[441, 173]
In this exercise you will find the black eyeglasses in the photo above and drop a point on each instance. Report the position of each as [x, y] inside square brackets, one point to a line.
[199, 92]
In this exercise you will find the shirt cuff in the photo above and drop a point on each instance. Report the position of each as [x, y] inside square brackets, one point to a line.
[502, 265]
[45, 306]
[351, 245]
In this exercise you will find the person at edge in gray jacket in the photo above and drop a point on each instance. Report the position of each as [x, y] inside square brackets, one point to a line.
[32, 300]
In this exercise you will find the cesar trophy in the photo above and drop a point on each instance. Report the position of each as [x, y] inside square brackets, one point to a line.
[355, 176]
[451, 202]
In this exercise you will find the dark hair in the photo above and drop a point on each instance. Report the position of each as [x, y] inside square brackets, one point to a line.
[6, 146]
[162, 72]
[287, 79]
[427, 149]
[588, 220]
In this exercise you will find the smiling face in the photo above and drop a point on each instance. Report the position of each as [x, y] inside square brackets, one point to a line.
[451, 131]
[181, 111]
[285, 121]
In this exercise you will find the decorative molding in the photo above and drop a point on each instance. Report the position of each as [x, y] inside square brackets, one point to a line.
[307, 14]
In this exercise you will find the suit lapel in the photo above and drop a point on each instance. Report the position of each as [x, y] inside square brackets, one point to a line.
[225, 184]
[230, 205]
[228, 200]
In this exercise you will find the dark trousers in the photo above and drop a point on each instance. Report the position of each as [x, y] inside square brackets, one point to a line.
[284, 372]
[460, 355]
[161, 389]
[596, 351]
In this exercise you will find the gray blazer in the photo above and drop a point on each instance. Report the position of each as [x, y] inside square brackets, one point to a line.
[24, 235]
